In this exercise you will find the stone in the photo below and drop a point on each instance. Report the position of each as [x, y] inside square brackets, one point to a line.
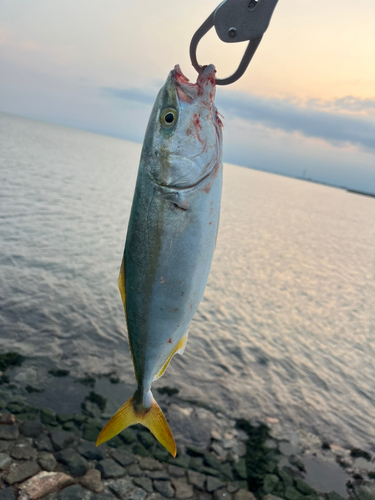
[5, 461]
[15, 407]
[7, 494]
[304, 487]
[134, 470]
[365, 492]
[123, 457]
[70, 427]
[176, 471]
[7, 419]
[240, 469]
[91, 431]
[232, 487]
[222, 495]
[145, 483]
[61, 439]
[147, 463]
[213, 484]
[226, 470]
[297, 462]
[103, 496]
[62, 418]
[136, 494]
[182, 490]
[181, 461]
[21, 472]
[89, 451]
[4, 445]
[146, 438]
[31, 428]
[9, 432]
[76, 465]
[128, 436]
[159, 475]
[155, 496]
[43, 443]
[23, 452]
[110, 469]
[48, 416]
[45, 483]
[2, 401]
[196, 479]
[92, 480]
[271, 497]
[75, 492]
[292, 494]
[209, 471]
[121, 487]
[139, 449]
[211, 461]
[270, 482]
[286, 476]
[47, 461]
[244, 495]
[164, 488]
[160, 454]
[239, 449]
[196, 463]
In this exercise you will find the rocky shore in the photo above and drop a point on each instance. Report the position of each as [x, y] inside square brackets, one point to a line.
[52, 455]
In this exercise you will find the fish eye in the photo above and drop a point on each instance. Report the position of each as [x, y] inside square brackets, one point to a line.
[168, 118]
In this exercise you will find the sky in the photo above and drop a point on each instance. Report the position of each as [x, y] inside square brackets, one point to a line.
[305, 107]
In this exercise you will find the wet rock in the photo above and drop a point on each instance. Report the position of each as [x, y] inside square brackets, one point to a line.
[365, 492]
[115, 442]
[210, 472]
[92, 480]
[357, 453]
[91, 431]
[47, 461]
[123, 457]
[128, 436]
[146, 438]
[90, 451]
[244, 495]
[4, 445]
[2, 401]
[121, 487]
[304, 487]
[136, 494]
[271, 497]
[239, 449]
[286, 476]
[297, 462]
[270, 483]
[226, 470]
[90, 409]
[43, 443]
[61, 439]
[45, 483]
[5, 461]
[196, 479]
[160, 454]
[292, 494]
[147, 463]
[222, 495]
[240, 469]
[7, 494]
[9, 432]
[63, 418]
[23, 452]
[164, 488]
[181, 461]
[211, 461]
[7, 419]
[134, 471]
[217, 449]
[182, 490]
[15, 407]
[31, 429]
[110, 469]
[103, 496]
[139, 449]
[213, 484]
[175, 471]
[20, 472]
[232, 487]
[145, 483]
[196, 463]
[194, 451]
[76, 465]
[160, 475]
[48, 416]
[75, 492]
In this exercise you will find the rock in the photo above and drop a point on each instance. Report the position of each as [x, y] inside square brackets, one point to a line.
[45, 483]
[47, 461]
[128, 436]
[239, 449]
[15, 407]
[48, 416]
[365, 492]
[23, 452]
[159, 475]
[139, 449]
[213, 484]
[211, 461]
[222, 495]
[196, 479]
[270, 482]
[147, 463]
[90, 451]
[103, 496]
[43, 443]
[121, 487]
[146, 438]
[217, 449]
[271, 497]
[195, 452]
[7, 419]
[4, 445]
[226, 470]
[2, 401]
[61, 439]
[160, 454]
[136, 494]
[9, 432]
[244, 495]
[7, 494]
[286, 476]
[175, 471]
[134, 471]
[145, 483]
[304, 488]
[5, 461]
[110, 469]
[232, 487]
[62, 418]
[164, 488]
[21, 472]
[70, 427]
[297, 462]
[182, 490]
[31, 429]
[73, 461]
[75, 492]
[196, 463]
[91, 431]
[155, 496]
[240, 469]
[181, 461]
[292, 494]
[210, 472]
[92, 480]
[123, 457]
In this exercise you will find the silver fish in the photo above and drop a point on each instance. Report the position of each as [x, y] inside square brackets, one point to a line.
[170, 240]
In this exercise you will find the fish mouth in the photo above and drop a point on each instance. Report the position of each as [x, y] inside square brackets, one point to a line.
[204, 87]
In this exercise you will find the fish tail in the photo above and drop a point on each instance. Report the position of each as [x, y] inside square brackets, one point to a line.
[151, 417]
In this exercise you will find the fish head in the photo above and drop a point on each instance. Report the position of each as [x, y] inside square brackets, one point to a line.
[183, 142]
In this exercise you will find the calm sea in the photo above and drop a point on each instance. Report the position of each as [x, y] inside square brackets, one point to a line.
[286, 328]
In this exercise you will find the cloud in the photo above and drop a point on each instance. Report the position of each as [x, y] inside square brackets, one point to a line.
[327, 120]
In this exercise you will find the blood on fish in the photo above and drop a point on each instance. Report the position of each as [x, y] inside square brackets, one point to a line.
[170, 341]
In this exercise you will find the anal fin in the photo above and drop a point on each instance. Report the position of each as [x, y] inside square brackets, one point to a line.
[180, 348]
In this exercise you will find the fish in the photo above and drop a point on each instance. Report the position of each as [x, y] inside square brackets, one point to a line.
[170, 240]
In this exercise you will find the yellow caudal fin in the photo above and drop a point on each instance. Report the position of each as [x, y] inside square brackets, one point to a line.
[153, 419]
